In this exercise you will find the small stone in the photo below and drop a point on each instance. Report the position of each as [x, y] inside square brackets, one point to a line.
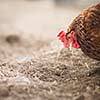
[12, 39]
[81, 97]
[4, 92]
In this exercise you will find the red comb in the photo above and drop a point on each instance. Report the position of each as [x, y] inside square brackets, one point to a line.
[62, 37]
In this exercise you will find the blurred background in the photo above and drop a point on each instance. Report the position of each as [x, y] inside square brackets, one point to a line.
[41, 18]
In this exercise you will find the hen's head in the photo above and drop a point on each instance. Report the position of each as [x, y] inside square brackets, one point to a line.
[69, 39]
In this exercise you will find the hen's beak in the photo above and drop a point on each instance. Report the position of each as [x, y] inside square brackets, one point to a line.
[70, 46]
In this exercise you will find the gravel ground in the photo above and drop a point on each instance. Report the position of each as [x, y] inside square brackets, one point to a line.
[34, 65]
[48, 72]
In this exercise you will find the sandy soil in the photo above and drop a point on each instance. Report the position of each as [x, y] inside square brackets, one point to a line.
[45, 71]
[42, 69]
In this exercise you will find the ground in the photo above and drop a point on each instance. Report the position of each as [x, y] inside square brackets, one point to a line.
[34, 65]
[44, 70]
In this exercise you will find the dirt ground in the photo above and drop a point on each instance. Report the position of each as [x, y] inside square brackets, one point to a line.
[44, 70]
[35, 68]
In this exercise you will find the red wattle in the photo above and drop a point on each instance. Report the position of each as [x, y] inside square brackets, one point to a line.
[72, 40]
[76, 45]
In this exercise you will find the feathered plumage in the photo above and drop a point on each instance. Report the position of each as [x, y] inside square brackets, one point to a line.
[86, 27]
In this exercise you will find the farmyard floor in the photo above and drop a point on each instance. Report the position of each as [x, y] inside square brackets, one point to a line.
[41, 70]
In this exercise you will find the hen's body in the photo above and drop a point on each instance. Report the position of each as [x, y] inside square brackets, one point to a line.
[87, 29]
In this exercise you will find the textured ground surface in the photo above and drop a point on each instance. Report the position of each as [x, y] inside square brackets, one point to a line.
[36, 66]
[51, 73]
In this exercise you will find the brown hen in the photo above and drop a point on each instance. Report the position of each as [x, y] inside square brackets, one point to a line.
[84, 31]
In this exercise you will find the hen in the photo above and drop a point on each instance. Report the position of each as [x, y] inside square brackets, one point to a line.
[84, 32]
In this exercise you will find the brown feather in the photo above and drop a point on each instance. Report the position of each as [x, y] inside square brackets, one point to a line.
[87, 29]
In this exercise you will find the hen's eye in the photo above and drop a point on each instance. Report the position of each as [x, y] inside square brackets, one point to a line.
[68, 37]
